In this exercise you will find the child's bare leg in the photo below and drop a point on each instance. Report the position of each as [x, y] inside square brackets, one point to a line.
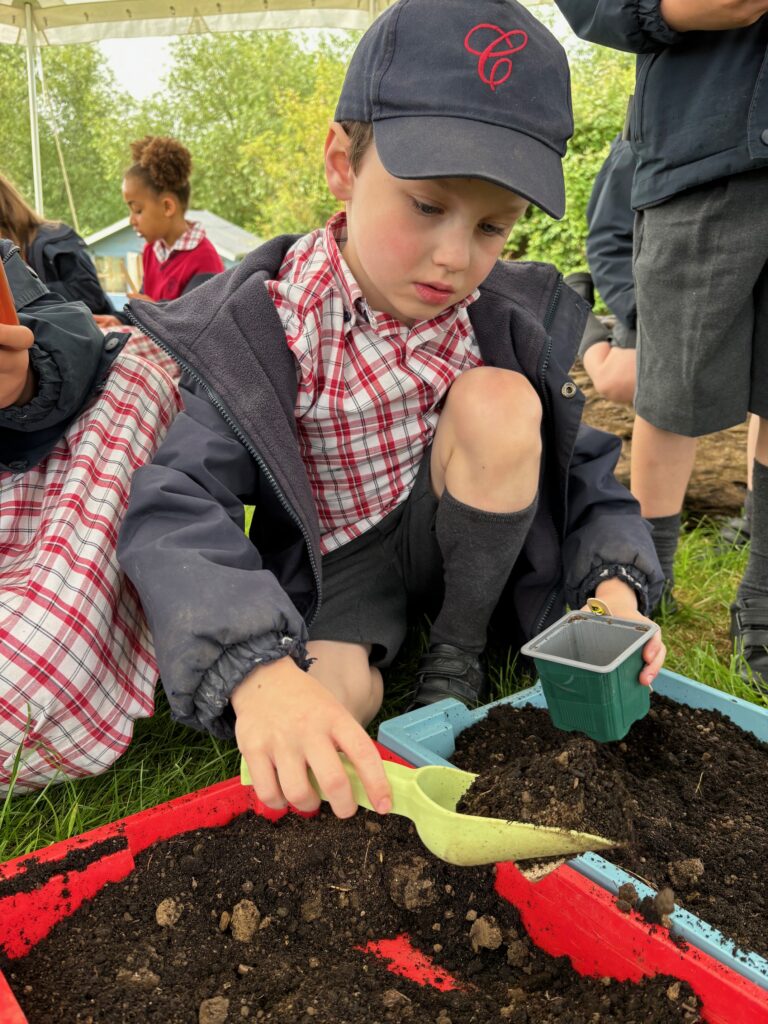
[343, 669]
[661, 468]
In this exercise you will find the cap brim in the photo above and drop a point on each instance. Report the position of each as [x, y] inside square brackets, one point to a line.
[453, 147]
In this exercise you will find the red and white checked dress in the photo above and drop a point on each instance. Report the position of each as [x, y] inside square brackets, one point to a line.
[77, 664]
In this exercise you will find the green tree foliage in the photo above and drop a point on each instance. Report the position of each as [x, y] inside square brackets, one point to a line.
[254, 110]
[602, 81]
[89, 114]
[232, 98]
[289, 153]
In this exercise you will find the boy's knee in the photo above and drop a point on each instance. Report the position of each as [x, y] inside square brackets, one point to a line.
[492, 404]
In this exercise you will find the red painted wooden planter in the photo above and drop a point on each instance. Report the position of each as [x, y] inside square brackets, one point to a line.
[564, 913]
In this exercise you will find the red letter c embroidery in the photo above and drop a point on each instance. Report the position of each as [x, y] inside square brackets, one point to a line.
[498, 51]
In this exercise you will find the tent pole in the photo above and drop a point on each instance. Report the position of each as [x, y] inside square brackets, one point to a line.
[32, 91]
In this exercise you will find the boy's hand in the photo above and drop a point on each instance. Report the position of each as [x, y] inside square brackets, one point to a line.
[107, 320]
[17, 381]
[621, 599]
[286, 722]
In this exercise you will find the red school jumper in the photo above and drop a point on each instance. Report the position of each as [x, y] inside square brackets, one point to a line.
[169, 278]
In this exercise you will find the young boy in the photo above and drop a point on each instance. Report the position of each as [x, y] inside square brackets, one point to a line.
[402, 431]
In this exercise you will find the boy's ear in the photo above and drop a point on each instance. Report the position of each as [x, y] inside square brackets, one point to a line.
[338, 170]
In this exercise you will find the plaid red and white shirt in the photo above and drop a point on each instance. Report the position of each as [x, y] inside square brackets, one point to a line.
[77, 663]
[370, 388]
[191, 238]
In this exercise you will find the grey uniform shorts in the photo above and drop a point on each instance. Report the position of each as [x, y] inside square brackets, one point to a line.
[368, 583]
[701, 275]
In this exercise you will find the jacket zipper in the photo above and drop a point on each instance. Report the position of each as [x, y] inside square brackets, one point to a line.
[548, 318]
[244, 440]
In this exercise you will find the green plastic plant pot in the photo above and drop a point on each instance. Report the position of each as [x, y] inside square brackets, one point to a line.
[588, 665]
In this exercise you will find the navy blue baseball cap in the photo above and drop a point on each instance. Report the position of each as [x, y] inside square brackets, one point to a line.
[465, 89]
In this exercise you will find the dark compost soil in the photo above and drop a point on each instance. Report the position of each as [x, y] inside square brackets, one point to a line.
[685, 792]
[267, 922]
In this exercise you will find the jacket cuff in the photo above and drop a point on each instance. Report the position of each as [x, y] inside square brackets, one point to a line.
[651, 22]
[234, 664]
[630, 575]
[47, 393]
[594, 332]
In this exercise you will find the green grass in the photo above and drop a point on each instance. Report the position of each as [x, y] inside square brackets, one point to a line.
[166, 760]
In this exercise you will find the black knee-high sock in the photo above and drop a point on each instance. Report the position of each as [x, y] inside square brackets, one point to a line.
[755, 581]
[479, 549]
[666, 533]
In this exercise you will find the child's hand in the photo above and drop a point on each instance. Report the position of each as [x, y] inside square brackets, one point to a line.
[17, 382]
[621, 599]
[286, 722]
[140, 295]
[654, 651]
[106, 320]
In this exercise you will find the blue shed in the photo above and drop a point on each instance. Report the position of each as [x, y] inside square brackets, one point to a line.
[116, 250]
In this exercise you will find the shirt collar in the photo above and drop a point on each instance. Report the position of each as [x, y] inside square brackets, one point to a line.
[356, 308]
[191, 238]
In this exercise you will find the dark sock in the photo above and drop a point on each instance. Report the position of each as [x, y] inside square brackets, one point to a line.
[666, 533]
[479, 549]
[755, 581]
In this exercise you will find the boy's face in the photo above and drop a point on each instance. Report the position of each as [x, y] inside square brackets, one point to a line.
[150, 214]
[416, 247]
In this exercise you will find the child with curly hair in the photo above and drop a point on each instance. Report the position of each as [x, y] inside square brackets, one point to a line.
[156, 190]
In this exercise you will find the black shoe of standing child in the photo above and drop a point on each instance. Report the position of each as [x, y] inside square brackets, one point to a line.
[448, 671]
[735, 532]
[749, 633]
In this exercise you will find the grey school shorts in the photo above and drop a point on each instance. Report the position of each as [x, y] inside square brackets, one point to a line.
[701, 275]
[369, 582]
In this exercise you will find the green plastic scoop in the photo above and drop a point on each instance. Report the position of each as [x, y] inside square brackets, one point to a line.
[428, 796]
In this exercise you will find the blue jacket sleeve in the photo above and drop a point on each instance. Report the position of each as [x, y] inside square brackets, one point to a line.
[633, 25]
[70, 358]
[606, 535]
[214, 611]
[611, 228]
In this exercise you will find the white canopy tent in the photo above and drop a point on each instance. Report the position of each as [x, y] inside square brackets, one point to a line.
[35, 23]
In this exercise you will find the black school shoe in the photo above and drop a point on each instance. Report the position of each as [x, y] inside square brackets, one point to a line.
[749, 633]
[735, 532]
[448, 671]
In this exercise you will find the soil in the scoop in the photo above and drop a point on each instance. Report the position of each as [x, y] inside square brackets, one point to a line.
[268, 922]
[685, 791]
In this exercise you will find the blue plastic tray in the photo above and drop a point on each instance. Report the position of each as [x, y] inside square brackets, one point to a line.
[428, 736]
